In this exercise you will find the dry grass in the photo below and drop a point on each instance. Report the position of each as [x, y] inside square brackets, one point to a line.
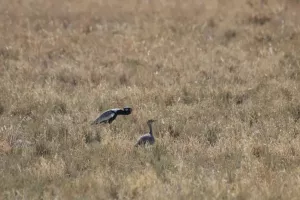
[221, 77]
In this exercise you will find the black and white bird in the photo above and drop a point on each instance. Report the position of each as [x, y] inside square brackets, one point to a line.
[110, 115]
[148, 137]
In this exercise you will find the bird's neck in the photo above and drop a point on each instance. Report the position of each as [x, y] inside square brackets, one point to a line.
[121, 112]
[150, 127]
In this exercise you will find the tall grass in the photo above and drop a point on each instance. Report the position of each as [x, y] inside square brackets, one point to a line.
[221, 78]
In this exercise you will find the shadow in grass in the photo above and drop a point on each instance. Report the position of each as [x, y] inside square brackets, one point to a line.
[2, 109]
[212, 135]
[42, 149]
[259, 19]
[173, 132]
[294, 111]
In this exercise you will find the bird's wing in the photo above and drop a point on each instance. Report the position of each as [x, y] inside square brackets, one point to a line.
[105, 116]
[143, 138]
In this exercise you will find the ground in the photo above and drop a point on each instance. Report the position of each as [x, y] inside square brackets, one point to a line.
[221, 77]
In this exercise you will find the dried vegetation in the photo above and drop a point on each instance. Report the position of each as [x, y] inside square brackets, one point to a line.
[221, 77]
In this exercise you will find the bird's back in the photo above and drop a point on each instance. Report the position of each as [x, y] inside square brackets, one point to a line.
[147, 138]
[105, 117]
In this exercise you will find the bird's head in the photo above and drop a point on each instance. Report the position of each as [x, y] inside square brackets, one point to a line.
[128, 110]
[150, 121]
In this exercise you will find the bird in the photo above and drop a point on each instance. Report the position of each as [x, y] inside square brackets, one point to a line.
[110, 115]
[148, 137]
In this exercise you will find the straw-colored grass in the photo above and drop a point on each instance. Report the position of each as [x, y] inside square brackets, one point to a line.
[221, 77]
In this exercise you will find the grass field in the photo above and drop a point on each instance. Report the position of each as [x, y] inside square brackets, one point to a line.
[221, 77]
